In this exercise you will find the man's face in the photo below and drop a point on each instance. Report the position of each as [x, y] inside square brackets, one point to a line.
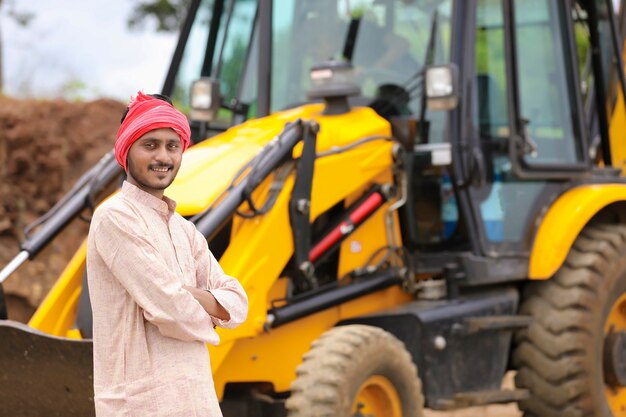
[154, 160]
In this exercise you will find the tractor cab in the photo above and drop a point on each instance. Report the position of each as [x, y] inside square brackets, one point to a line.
[261, 53]
[495, 120]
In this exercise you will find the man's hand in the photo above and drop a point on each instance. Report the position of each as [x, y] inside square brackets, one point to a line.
[208, 302]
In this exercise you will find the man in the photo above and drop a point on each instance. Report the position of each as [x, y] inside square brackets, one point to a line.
[156, 290]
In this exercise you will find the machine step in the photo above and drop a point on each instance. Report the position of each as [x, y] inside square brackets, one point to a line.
[472, 325]
[470, 399]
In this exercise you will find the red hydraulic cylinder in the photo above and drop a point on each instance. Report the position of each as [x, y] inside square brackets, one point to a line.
[354, 219]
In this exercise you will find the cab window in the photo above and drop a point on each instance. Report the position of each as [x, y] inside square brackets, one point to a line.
[547, 91]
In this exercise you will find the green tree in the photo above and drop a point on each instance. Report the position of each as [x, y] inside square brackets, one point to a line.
[168, 14]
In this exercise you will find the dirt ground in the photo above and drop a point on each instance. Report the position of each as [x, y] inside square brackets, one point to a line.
[490, 411]
[504, 410]
[44, 147]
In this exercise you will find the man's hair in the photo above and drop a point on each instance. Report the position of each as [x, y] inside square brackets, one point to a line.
[159, 96]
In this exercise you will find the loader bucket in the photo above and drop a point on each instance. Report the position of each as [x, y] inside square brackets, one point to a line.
[43, 375]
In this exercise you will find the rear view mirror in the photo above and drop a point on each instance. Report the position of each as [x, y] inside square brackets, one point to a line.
[442, 91]
[205, 99]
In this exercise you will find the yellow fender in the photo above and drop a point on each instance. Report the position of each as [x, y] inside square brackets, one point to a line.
[564, 221]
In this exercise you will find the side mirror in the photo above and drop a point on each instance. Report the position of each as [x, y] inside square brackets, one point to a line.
[205, 99]
[442, 87]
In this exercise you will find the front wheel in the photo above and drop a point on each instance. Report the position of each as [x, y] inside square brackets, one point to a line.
[354, 371]
[573, 357]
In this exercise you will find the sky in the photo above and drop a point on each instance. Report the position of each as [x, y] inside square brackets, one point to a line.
[82, 49]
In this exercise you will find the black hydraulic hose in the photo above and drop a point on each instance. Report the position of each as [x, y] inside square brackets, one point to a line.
[275, 154]
[72, 208]
[283, 315]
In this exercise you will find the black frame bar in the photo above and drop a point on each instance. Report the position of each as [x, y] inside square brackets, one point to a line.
[279, 316]
[265, 58]
[170, 78]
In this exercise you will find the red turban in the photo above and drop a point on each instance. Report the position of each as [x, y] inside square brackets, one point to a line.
[146, 113]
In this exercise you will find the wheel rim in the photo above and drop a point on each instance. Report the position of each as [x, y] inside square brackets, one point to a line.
[615, 332]
[377, 397]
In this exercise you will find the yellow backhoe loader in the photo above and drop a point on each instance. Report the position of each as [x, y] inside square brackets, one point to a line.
[417, 196]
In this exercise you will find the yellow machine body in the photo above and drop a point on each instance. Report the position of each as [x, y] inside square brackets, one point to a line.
[260, 247]
[564, 220]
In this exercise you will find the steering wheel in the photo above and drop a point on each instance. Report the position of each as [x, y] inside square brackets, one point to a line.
[391, 100]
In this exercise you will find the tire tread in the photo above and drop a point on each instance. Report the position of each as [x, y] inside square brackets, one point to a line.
[314, 393]
[552, 355]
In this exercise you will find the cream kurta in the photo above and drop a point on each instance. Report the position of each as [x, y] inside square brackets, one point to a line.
[149, 333]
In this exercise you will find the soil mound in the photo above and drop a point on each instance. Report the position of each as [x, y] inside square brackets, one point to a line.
[44, 147]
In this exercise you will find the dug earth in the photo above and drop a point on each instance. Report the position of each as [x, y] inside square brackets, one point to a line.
[44, 148]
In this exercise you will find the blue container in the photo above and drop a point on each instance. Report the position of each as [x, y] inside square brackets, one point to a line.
[493, 214]
[449, 208]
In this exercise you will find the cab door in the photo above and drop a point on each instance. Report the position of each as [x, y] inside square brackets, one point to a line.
[526, 123]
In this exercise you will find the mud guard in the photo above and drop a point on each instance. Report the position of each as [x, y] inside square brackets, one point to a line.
[43, 375]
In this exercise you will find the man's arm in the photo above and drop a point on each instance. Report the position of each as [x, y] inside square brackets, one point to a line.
[138, 266]
[209, 303]
[226, 290]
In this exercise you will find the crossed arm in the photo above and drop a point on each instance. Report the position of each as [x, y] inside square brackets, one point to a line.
[131, 257]
[208, 303]
[221, 296]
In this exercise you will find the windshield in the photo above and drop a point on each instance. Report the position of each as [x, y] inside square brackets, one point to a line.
[386, 40]
[218, 46]
[388, 47]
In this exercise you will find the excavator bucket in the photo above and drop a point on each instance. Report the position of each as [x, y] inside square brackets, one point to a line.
[43, 375]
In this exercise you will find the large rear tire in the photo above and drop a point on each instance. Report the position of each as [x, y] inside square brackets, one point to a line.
[572, 358]
[356, 370]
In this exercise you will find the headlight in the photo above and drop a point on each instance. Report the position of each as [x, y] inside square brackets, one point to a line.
[205, 99]
[442, 87]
